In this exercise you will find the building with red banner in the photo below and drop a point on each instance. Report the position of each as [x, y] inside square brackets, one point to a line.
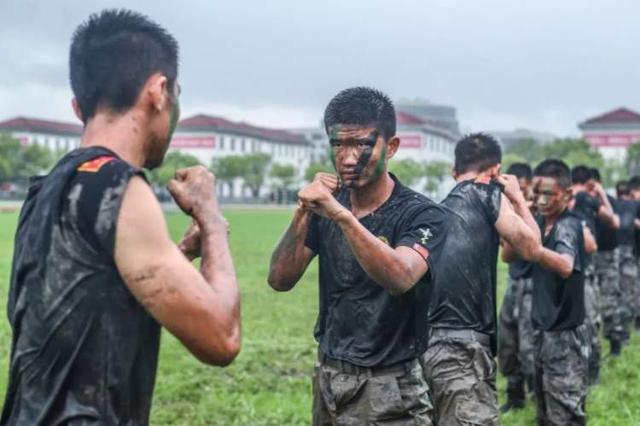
[613, 132]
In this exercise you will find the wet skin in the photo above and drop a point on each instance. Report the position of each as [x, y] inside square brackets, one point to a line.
[358, 154]
[550, 198]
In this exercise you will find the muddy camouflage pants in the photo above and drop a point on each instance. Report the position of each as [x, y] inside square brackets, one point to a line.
[461, 373]
[628, 285]
[561, 376]
[593, 319]
[611, 305]
[516, 338]
[344, 394]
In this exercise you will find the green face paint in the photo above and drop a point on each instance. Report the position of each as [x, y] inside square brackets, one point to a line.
[175, 115]
[379, 169]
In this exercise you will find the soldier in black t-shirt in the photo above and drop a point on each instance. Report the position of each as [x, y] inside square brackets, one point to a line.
[515, 332]
[378, 245]
[558, 310]
[629, 211]
[462, 303]
[95, 274]
[634, 188]
[590, 203]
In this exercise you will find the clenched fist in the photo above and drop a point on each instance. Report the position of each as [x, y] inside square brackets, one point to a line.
[193, 189]
[318, 198]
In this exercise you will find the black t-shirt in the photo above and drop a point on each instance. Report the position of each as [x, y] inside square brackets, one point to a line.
[359, 321]
[586, 207]
[558, 304]
[606, 237]
[519, 268]
[464, 292]
[629, 211]
[84, 351]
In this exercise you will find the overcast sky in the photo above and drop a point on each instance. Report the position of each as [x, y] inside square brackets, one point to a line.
[544, 66]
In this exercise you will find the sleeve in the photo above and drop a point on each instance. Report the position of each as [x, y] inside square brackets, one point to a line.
[424, 230]
[312, 240]
[490, 198]
[568, 239]
[97, 193]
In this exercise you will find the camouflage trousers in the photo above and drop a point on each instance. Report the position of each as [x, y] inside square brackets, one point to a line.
[516, 338]
[628, 287]
[461, 373]
[608, 278]
[561, 376]
[593, 320]
[345, 394]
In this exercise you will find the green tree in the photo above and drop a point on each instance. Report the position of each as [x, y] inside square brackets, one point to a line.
[285, 174]
[527, 149]
[227, 169]
[19, 162]
[435, 173]
[574, 152]
[318, 167]
[510, 158]
[254, 169]
[408, 171]
[173, 161]
[632, 162]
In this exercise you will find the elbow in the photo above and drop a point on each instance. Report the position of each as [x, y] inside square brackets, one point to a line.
[222, 353]
[278, 283]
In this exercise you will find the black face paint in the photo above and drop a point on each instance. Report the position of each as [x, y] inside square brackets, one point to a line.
[366, 155]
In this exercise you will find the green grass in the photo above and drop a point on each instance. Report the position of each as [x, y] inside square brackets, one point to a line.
[270, 382]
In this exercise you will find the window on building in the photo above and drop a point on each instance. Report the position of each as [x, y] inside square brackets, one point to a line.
[233, 144]
[221, 142]
[242, 145]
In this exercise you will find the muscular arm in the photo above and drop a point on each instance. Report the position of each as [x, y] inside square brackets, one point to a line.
[519, 229]
[396, 270]
[561, 264]
[291, 257]
[202, 309]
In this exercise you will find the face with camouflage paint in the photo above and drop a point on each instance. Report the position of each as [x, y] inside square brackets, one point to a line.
[549, 197]
[161, 145]
[359, 154]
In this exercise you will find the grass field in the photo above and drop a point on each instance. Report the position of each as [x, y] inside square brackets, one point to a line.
[269, 383]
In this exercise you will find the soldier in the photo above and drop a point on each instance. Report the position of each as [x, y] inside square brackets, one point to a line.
[607, 261]
[629, 211]
[589, 208]
[558, 311]
[634, 187]
[462, 305]
[377, 243]
[95, 273]
[515, 332]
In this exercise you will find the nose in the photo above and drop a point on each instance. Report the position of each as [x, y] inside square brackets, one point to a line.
[349, 156]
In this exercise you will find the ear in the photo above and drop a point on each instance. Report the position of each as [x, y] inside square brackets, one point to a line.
[157, 92]
[494, 171]
[454, 174]
[392, 147]
[76, 109]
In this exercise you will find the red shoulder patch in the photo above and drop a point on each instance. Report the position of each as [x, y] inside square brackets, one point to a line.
[483, 179]
[92, 166]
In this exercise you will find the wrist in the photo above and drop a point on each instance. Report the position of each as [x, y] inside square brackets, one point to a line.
[341, 216]
[213, 223]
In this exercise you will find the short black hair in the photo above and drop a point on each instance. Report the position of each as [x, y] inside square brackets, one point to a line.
[622, 188]
[477, 152]
[581, 174]
[556, 169]
[595, 173]
[113, 54]
[634, 183]
[520, 170]
[362, 106]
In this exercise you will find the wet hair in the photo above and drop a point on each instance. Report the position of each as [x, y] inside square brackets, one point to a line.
[520, 170]
[477, 152]
[556, 169]
[362, 106]
[622, 188]
[581, 174]
[595, 174]
[634, 183]
[113, 54]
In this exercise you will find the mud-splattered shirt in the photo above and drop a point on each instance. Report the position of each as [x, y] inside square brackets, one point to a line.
[359, 321]
[464, 292]
[84, 351]
[558, 303]
[606, 237]
[629, 211]
[520, 269]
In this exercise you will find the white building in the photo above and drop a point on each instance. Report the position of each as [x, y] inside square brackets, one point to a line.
[54, 135]
[613, 132]
[208, 137]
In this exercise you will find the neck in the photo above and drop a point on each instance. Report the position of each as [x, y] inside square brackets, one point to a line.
[122, 134]
[366, 199]
[549, 221]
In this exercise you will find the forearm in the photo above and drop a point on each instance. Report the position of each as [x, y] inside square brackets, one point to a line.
[555, 262]
[381, 262]
[289, 259]
[606, 213]
[522, 210]
[508, 254]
